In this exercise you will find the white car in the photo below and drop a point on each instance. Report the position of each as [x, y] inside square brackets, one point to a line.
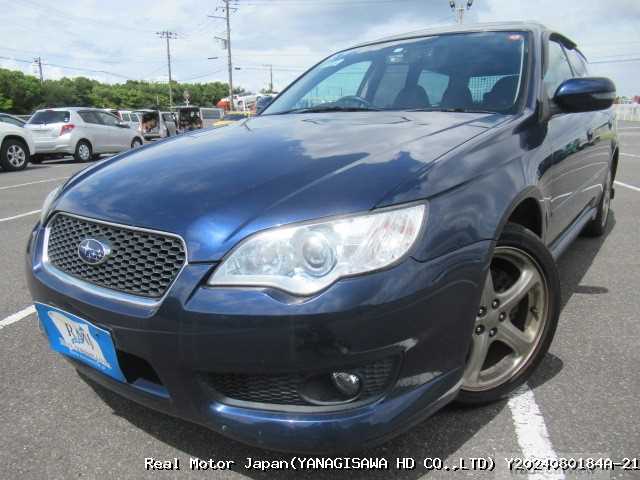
[16, 147]
[84, 133]
[131, 118]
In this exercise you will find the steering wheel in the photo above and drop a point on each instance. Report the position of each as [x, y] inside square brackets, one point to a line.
[353, 101]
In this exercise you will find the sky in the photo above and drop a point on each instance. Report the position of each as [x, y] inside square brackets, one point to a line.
[115, 40]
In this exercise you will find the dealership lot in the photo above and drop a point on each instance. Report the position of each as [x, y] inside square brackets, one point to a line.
[53, 425]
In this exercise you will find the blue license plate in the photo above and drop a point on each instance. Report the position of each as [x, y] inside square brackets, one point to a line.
[79, 339]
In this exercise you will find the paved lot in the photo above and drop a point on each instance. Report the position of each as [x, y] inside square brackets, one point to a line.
[583, 401]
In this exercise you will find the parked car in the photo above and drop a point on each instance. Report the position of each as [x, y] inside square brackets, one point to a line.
[130, 118]
[155, 124]
[188, 118]
[210, 116]
[379, 242]
[81, 132]
[230, 118]
[6, 118]
[16, 145]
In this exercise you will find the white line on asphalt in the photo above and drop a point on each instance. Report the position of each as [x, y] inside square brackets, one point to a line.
[627, 186]
[33, 183]
[531, 430]
[15, 217]
[630, 155]
[17, 316]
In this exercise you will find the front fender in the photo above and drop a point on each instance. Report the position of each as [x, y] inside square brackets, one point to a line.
[473, 191]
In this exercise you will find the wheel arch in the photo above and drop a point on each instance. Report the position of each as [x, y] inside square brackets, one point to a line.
[526, 209]
[17, 138]
[85, 139]
[614, 163]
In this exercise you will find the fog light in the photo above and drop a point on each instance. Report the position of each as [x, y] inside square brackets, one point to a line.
[347, 383]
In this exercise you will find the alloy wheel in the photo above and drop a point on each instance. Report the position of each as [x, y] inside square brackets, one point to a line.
[16, 156]
[84, 152]
[510, 320]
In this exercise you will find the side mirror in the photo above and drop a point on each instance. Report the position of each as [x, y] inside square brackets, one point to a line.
[585, 94]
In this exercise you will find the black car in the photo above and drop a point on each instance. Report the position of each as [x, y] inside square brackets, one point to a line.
[379, 242]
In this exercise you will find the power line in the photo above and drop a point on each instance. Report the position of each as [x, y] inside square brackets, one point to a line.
[621, 60]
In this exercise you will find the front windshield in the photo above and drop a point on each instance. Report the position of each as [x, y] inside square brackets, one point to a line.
[460, 72]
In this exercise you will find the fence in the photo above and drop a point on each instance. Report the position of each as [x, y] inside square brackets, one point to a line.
[628, 111]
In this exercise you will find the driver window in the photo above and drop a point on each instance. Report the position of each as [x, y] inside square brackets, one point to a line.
[341, 83]
[558, 69]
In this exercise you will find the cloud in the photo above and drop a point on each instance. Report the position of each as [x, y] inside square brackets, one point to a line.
[119, 36]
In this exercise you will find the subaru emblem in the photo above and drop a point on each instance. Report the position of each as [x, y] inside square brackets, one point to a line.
[93, 251]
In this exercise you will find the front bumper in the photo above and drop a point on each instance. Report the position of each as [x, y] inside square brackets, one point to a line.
[420, 312]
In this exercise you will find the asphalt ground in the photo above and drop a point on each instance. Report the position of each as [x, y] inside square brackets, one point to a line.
[583, 401]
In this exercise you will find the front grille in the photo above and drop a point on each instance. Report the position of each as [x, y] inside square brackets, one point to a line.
[141, 263]
[285, 389]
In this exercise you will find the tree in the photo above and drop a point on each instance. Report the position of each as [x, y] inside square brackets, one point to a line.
[22, 94]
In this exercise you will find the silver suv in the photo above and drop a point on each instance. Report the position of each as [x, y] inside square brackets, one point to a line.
[81, 132]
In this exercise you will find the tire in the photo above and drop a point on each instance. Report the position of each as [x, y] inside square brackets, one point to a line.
[597, 226]
[520, 306]
[83, 151]
[136, 143]
[14, 155]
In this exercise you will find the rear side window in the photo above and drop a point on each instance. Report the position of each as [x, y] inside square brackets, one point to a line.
[578, 63]
[558, 69]
[134, 117]
[167, 117]
[50, 116]
[89, 117]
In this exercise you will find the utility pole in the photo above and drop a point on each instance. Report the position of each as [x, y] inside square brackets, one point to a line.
[227, 44]
[168, 36]
[270, 78]
[459, 10]
[38, 61]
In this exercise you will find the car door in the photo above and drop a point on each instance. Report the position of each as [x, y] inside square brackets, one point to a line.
[93, 129]
[570, 136]
[114, 133]
[601, 130]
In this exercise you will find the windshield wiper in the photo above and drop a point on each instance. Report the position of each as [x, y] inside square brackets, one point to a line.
[329, 108]
[456, 110]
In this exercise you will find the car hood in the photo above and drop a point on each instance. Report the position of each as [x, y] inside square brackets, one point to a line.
[215, 187]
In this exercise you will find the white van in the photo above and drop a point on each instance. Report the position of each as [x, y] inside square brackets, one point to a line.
[210, 116]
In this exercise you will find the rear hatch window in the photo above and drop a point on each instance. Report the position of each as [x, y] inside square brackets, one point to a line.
[49, 116]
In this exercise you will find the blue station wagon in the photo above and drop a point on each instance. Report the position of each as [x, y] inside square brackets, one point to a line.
[379, 242]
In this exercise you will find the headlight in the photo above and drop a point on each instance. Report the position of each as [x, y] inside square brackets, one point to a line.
[48, 202]
[306, 258]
